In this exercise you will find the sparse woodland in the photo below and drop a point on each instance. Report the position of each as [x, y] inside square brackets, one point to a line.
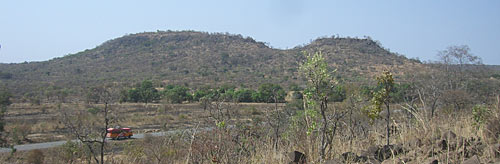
[335, 100]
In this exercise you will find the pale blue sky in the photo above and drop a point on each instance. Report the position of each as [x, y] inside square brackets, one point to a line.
[41, 30]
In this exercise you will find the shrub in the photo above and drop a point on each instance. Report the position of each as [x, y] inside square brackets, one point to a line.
[480, 114]
[19, 133]
[492, 129]
[94, 110]
[70, 151]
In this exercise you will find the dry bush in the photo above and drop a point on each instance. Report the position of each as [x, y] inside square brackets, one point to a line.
[35, 157]
[164, 149]
[18, 133]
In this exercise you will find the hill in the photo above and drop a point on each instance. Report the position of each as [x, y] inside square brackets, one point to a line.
[195, 59]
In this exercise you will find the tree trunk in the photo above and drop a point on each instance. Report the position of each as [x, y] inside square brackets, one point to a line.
[498, 105]
[277, 128]
[324, 144]
[433, 108]
[106, 124]
[388, 123]
[350, 127]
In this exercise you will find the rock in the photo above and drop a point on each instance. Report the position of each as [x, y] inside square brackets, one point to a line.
[332, 162]
[495, 149]
[350, 156]
[297, 157]
[447, 140]
[415, 143]
[492, 130]
[449, 135]
[431, 152]
[453, 143]
[371, 151]
[431, 161]
[472, 160]
[443, 144]
[474, 147]
[372, 161]
[387, 151]
[394, 161]
[361, 159]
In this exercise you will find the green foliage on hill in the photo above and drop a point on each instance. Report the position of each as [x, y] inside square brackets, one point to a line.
[143, 92]
[177, 94]
[4, 98]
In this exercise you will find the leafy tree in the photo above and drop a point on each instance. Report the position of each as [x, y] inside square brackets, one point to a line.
[4, 75]
[201, 92]
[338, 94]
[227, 94]
[244, 95]
[147, 92]
[480, 115]
[400, 93]
[178, 94]
[319, 85]
[144, 92]
[5, 98]
[134, 96]
[295, 87]
[383, 97]
[269, 93]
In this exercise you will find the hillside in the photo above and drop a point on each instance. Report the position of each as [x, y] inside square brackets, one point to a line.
[196, 59]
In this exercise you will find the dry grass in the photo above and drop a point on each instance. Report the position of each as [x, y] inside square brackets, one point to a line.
[44, 124]
[420, 137]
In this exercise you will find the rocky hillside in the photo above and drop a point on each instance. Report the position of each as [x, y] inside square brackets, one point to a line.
[195, 59]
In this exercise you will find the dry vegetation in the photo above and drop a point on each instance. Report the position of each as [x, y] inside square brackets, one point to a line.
[445, 112]
[193, 59]
[28, 123]
[417, 138]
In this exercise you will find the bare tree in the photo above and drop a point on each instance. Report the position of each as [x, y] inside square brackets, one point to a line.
[158, 148]
[455, 61]
[275, 116]
[91, 130]
[428, 85]
[218, 108]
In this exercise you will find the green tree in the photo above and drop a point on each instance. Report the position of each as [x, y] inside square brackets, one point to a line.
[201, 92]
[383, 97]
[133, 95]
[270, 93]
[147, 92]
[5, 98]
[319, 86]
[244, 95]
[178, 94]
[143, 92]
[338, 94]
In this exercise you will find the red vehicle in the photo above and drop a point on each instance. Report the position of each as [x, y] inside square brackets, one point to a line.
[119, 133]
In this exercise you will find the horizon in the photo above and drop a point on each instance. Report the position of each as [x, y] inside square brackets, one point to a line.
[40, 31]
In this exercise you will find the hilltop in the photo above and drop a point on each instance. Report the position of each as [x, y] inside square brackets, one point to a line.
[196, 59]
